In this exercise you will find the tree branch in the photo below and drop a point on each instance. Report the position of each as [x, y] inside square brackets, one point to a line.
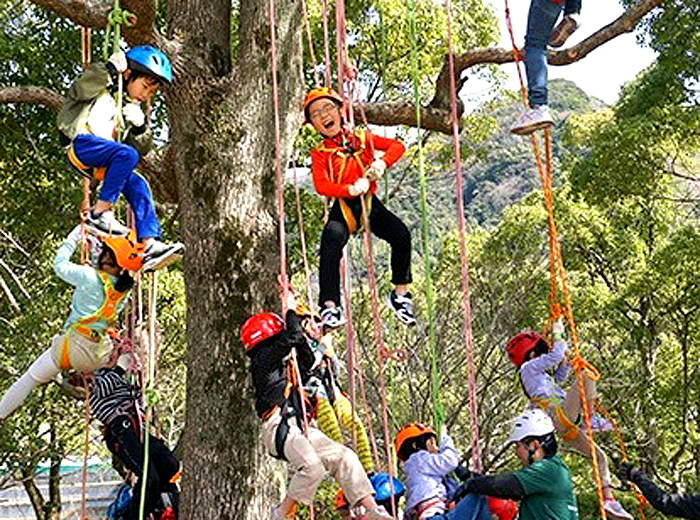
[33, 95]
[436, 116]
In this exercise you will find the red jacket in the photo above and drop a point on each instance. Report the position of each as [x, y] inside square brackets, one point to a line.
[335, 168]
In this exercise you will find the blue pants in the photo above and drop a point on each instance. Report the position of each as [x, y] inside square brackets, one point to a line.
[471, 507]
[540, 22]
[120, 160]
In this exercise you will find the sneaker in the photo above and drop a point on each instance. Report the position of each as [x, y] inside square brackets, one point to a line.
[276, 515]
[158, 255]
[533, 119]
[600, 424]
[615, 509]
[402, 305]
[105, 224]
[378, 513]
[333, 317]
[564, 29]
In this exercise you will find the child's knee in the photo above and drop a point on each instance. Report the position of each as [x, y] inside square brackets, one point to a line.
[334, 233]
[127, 155]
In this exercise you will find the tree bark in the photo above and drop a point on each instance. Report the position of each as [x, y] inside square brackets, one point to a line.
[222, 148]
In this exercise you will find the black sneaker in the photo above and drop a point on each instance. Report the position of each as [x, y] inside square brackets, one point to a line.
[402, 305]
[158, 255]
[333, 317]
[105, 225]
[564, 29]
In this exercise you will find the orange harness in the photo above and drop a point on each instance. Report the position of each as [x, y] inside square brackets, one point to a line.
[336, 175]
[107, 312]
[570, 428]
[92, 172]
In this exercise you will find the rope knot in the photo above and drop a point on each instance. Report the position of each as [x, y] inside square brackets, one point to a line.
[579, 364]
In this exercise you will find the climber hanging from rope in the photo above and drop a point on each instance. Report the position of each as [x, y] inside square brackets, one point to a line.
[344, 168]
[541, 32]
[280, 361]
[533, 359]
[84, 343]
[89, 126]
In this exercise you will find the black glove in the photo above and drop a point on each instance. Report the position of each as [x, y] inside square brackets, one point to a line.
[628, 472]
[462, 473]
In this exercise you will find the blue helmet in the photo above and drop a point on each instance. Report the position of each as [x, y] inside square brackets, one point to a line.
[151, 61]
[382, 486]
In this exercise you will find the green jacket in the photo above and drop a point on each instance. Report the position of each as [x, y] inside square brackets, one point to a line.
[94, 81]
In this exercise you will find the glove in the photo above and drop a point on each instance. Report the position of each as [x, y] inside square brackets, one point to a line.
[118, 61]
[133, 114]
[376, 170]
[628, 471]
[360, 187]
[462, 473]
[558, 329]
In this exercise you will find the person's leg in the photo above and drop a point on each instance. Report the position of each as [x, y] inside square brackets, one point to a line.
[351, 421]
[580, 444]
[307, 465]
[327, 419]
[542, 16]
[333, 238]
[391, 228]
[572, 402]
[40, 372]
[471, 507]
[138, 193]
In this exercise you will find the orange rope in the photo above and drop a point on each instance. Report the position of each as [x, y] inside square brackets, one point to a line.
[556, 267]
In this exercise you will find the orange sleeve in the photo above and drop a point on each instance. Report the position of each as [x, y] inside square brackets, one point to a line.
[393, 148]
[319, 173]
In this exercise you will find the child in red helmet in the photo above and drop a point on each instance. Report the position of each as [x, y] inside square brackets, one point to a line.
[426, 466]
[345, 168]
[530, 354]
[280, 362]
[99, 296]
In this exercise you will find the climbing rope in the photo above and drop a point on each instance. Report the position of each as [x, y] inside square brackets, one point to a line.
[438, 412]
[466, 303]
[559, 282]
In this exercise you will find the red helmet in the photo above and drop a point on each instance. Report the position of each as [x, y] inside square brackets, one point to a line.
[502, 508]
[519, 346]
[320, 93]
[259, 327]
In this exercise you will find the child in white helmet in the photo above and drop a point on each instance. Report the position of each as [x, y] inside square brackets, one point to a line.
[543, 485]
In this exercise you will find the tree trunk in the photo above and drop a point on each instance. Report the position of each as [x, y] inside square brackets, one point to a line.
[33, 493]
[222, 137]
[53, 506]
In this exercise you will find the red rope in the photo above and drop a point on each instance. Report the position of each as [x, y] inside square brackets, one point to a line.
[466, 305]
[284, 281]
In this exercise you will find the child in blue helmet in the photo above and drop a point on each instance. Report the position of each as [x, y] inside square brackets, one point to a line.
[89, 126]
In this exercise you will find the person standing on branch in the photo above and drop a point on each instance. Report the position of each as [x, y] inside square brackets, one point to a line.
[541, 18]
[99, 296]
[344, 168]
[281, 360]
[89, 129]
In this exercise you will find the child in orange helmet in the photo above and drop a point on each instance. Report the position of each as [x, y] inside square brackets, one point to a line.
[534, 361]
[99, 296]
[281, 361]
[344, 168]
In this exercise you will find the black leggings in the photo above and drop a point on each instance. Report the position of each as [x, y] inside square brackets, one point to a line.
[383, 224]
[123, 440]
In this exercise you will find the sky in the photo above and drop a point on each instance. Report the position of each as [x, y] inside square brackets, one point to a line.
[602, 72]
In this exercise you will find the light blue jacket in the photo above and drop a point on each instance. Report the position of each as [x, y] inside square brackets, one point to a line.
[536, 377]
[425, 471]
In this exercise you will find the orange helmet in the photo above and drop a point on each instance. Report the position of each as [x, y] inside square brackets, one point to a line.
[410, 431]
[502, 508]
[519, 346]
[320, 93]
[127, 250]
[260, 327]
[340, 502]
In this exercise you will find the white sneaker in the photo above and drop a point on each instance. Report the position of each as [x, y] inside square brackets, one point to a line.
[615, 509]
[533, 119]
[105, 225]
[568, 25]
[402, 305]
[158, 255]
[333, 317]
[276, 515]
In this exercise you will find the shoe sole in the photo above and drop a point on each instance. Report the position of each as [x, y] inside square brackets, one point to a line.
[527, 130]
[163, 261]
[93, 230]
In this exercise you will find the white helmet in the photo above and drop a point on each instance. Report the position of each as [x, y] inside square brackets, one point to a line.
[531, 423]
